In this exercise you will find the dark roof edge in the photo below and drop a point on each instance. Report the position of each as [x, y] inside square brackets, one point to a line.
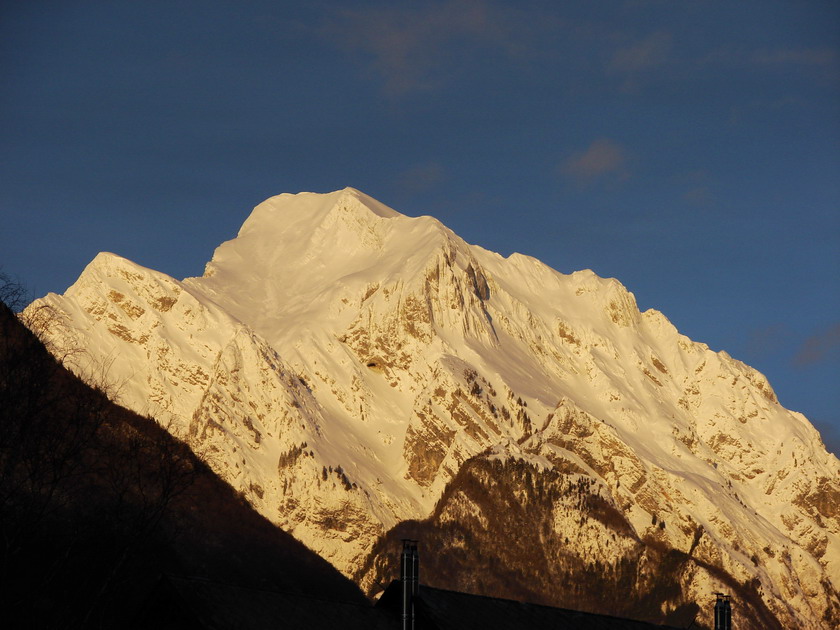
[424, 587]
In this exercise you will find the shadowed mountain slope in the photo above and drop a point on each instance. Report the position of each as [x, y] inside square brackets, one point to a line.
[96, 502]
[493, 534]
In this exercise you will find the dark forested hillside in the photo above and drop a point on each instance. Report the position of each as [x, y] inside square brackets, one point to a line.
[96, 502]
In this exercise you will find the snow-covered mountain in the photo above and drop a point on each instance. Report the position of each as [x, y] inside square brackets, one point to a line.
[340, 363]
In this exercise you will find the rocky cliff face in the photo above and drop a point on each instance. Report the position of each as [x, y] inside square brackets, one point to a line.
[347, 367]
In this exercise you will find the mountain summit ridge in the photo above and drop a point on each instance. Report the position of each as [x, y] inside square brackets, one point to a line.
[341, 363]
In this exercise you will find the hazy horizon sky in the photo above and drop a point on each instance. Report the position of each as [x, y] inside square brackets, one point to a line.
[691, 150]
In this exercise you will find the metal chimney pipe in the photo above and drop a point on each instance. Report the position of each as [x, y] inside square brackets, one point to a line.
[415, 572]
[723, 612]
[409, 569]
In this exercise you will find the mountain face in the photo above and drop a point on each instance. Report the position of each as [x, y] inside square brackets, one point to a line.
[348, 368]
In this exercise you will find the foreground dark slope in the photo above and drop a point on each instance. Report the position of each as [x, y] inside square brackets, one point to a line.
[96, 502]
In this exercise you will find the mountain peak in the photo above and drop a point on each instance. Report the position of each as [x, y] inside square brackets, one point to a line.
[306, 208]
[376, 207]
[109, 267]
[345, 362]
[289, 231]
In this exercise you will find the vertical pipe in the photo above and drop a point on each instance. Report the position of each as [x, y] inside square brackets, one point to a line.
[727, 614]
[405, 584]
[723, 612]
[415, 569]
[415, 579]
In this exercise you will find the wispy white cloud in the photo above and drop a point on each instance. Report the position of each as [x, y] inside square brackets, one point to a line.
[699, 196]
[603, 158]
[651, 52]
[823, 64]
[418, 48]
[820, 347]
[420, 178]
[635, 62]
[412, 48]
[820, 63]
[698, 188]
[817, 57]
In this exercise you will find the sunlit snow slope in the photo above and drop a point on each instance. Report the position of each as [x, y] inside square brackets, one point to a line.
[338, 362]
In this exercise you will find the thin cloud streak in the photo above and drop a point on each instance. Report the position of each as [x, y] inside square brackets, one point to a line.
[822, 63]
[602, 158]
[426, 48]
[414, 49]
[651, 52]
[806, 57]
[820, 347]
[421, 178]
[635, 62]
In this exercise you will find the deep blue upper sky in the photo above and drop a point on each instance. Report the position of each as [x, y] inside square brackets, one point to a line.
[689, 149]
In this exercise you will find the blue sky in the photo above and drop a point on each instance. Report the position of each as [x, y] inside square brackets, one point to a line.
[689, 149]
